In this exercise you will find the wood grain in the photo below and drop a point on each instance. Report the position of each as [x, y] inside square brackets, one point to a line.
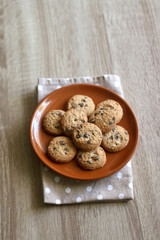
[77, 38]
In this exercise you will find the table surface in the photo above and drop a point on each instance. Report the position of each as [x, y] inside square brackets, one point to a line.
[46, 38]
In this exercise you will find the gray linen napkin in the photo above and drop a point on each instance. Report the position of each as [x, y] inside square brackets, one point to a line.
[58, 189]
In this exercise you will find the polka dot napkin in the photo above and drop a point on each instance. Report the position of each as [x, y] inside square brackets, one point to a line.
[58, 189]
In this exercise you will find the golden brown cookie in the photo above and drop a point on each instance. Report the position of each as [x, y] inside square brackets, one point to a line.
[52, 122]
[82, 103]
[61, 149]
[87, 137]
[115, 106]
[71, 119]
[104, 118]
[93, 159]
[115, 140]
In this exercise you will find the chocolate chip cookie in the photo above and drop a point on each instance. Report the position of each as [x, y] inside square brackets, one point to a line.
[93, 159]
[72, 119]
[116, 139]
[52, 122]
[115, 106]
[61, 149]
[104, 118]
[82, 103]
[87, 137]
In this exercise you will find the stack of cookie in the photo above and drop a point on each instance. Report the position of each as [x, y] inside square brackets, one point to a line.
[85, 127]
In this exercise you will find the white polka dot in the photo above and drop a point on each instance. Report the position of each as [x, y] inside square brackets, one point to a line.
[97, 84]
[110, 187]
[121, 196]
[130, 185]
[78, 199]
[89, 189]
[99, 197]
[40, 88]
[58, 86]
[68, 190]
[119, 175]
[129, 164]
[58, 201]
[57, 179]
[46, 169]
[47, 190]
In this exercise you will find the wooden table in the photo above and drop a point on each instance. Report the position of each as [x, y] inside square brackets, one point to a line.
[46, 38]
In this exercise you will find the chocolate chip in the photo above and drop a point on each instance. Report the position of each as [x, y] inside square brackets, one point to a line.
[95, 158]
[66, 149]
[113, 118]
[92, 120]
[75, 119]
[125, 139]
[80, 126]
[86, 135]
[111, 137]
[62, 142]
[86, 105]
[80, 104]
[101, 108]
[55, 148]
[116, 137]
[111, 107]
[95, 114]
[126, 132]
[52, 113]
[113, 130]
[99, 111]
[82, 121]
[68, 130]
[60, 114]
[83, 100]
[106, 109]
[80, 156]
[73, 106]
[57, 127]
[89, 141]
[89, 162]
[78, 135]
[110, 122]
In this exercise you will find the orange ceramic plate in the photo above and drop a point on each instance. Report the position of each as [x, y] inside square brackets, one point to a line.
[57, 100]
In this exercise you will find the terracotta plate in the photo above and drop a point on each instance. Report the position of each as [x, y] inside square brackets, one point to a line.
[57, 100]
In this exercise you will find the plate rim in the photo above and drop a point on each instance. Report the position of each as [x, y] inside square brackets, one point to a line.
[120, 166]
